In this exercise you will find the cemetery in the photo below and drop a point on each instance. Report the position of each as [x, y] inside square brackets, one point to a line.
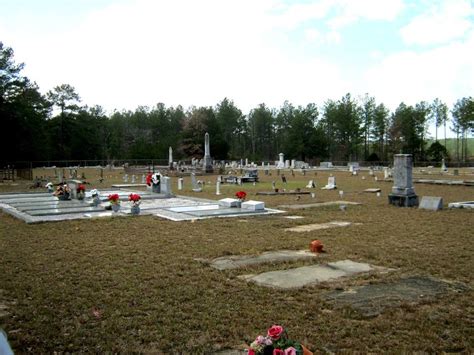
[127, 261]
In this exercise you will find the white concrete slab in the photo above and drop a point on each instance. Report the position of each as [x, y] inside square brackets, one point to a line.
[317, 226]
[308, 275]
[239, 261]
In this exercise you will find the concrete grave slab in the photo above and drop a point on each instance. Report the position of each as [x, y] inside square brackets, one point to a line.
[317, 226]
[279, 256]
[45, 207]
[371, 300]
[293, 217]
[372, 190]
[309, 275]
[431, 203]
[125, 186]
[318, 204]
[465, 204]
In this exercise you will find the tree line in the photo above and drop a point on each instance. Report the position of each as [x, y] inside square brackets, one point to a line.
[55, 126]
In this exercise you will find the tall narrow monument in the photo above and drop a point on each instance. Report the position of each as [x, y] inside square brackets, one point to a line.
[403, 193]
[207, 163]
[170, 157]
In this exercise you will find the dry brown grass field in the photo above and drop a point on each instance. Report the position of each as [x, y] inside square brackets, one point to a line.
[132, 284]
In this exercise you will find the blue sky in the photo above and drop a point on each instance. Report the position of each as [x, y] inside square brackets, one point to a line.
[121, 54]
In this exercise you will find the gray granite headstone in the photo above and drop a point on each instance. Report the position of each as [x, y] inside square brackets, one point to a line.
[196, 186]
[403, 193]
[432, 203]
[166, 186]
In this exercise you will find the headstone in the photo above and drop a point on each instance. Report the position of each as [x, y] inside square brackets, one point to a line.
[166, 186]
[246, 161]
[125, 178]
[371, 171]
[218, 188]
[253, 205]
[311, 184]
[431, 203]
[325, 164]
[229, 202]
[443, 165]
[273, 185]
[207, 155]
[456, 172]
[341, 193]
[180, 184]
[353, 166]
[133, 179]
[287, 164]
[281, 162]
[387, 173]
[196, 186]
[331, 184]
[293, 163]
[143, 178]
[403, 193]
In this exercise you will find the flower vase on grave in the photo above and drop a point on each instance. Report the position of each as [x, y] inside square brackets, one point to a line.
[115, 207]
[96, 201]
[135, 203]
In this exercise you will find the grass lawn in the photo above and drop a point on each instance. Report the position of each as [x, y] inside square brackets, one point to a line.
[132, 284]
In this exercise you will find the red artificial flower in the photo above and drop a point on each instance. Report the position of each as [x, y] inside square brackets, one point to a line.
[241, 195]
[148, 179]
[275, 332]
[81, 188]
[278, 352]
[134, 197]
[114, 197]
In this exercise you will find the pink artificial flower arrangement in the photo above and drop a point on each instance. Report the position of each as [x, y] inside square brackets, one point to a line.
[276, 343]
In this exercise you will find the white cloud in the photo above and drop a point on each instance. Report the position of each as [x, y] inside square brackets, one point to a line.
[446, 72]
[349, 11]
[442, 22]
